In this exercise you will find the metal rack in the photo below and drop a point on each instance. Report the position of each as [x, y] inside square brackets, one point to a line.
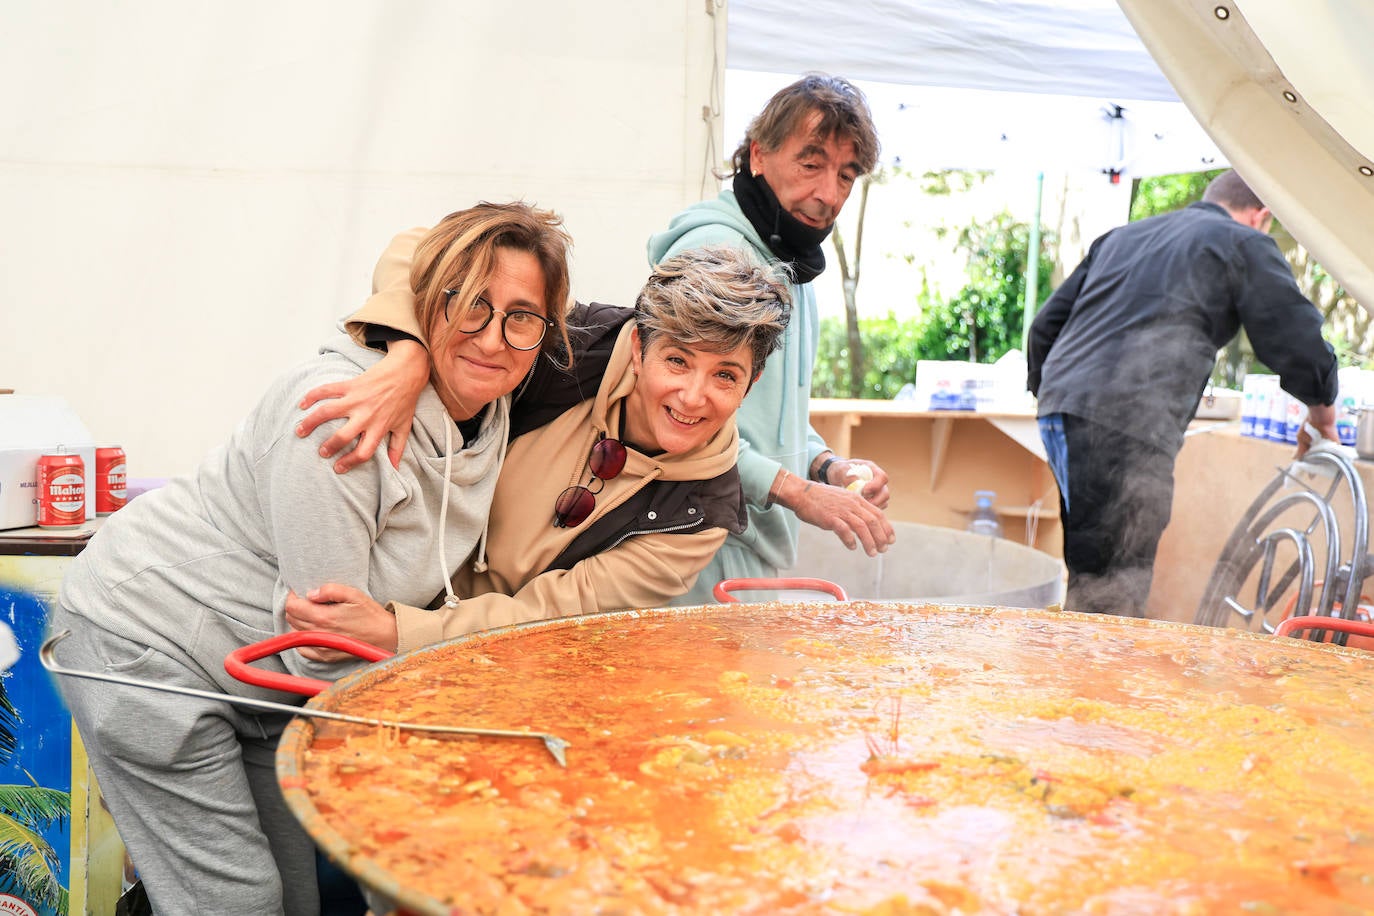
[1294, 526]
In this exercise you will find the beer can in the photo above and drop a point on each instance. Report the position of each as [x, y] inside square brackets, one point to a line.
[61, 490]
[110, 486]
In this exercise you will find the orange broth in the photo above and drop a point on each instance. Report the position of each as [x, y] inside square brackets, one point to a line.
[860, 759]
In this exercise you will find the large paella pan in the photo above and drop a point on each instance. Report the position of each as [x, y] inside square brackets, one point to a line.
[854, 758]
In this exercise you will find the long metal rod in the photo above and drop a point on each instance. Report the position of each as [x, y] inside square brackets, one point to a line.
[46, 655]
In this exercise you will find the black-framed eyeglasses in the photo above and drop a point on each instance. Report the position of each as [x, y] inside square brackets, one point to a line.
[521, 329]
[574, 504]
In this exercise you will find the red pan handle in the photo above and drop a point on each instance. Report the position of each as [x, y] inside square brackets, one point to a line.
[1317, 622]
[236, 662]
[725, 586]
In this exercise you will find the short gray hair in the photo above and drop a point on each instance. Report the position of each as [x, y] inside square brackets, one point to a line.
[716, 298]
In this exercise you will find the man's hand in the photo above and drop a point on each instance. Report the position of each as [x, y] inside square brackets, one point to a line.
[379, 404]
[1322, 417]
[341, 609]
[862, 477]
[854, 519]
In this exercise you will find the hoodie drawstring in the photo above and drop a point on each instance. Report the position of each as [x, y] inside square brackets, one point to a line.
[479, 565]
[451, 601]
[774, 241]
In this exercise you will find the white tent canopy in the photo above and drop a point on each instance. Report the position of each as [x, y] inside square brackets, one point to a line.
[1059, 47]
[1287, 91]
[195, 192]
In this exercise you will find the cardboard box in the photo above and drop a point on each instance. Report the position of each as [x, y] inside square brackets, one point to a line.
[959, 385]
[31, 425]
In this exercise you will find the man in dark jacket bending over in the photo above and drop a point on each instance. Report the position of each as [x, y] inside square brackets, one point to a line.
[1120, 354]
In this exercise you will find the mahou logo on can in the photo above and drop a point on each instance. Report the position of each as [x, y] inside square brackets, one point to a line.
[110, 486]
[61, 490]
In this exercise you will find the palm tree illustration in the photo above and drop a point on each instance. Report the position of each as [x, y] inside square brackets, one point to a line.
[25, 812]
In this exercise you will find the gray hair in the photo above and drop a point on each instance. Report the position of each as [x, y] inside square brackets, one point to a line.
[716, 298]
[844, 113]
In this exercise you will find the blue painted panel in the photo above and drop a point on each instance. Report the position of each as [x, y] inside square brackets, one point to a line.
[43, 729]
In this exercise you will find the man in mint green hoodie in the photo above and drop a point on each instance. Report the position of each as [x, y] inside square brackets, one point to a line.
[791, 175]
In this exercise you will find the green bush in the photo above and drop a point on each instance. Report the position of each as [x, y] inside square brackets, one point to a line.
[985, 318]
[891, 350]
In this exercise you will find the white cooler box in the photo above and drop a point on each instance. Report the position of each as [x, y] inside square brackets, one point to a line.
[31, 425]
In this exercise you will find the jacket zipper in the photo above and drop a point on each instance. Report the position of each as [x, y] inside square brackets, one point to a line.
[630, 534]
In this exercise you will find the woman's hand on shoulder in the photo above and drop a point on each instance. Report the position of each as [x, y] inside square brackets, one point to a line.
[378, 405]
[344, 610]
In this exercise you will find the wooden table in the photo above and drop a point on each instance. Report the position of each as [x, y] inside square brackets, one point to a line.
[936, 459]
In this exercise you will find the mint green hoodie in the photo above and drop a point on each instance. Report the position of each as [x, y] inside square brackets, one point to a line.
[775, 419]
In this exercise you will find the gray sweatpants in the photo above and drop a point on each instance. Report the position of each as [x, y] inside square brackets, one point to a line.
[191, 783]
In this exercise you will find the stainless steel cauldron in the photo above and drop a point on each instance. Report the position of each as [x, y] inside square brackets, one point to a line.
[1364, 433]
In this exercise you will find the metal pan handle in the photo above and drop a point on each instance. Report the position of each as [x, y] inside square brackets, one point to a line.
[236, 662]
[725, 586]
[1317, 622]
[47, 655]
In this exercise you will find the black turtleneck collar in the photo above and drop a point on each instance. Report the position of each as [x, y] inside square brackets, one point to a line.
[790, 240]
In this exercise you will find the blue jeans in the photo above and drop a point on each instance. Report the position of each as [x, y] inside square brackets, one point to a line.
[1057, 453]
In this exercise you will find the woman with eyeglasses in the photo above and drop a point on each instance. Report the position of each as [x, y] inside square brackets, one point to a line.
[187, 573]
[620, 483]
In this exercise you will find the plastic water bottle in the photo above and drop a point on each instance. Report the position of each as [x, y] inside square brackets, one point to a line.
[944, 400]
[984, 520]
[968, 395]
[1347, 424]
[1249, 399]
[1294, 418]
[1260, 426]
[1278, 415]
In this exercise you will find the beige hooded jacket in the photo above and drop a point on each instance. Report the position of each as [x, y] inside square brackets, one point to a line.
[513, 582]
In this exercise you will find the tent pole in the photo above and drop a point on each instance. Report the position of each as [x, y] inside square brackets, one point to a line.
[1032, 265]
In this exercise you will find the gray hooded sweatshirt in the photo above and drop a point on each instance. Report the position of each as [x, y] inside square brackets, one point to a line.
[203, 565]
